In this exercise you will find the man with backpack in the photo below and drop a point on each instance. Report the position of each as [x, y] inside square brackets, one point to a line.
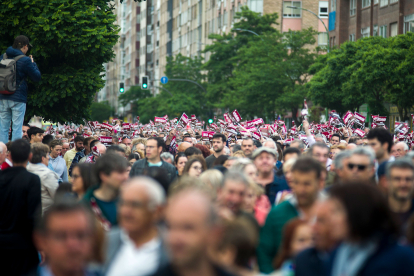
[15, 67]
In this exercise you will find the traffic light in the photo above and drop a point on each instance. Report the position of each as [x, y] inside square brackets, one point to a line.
[121, 87]
[210, 121]
[144, 83]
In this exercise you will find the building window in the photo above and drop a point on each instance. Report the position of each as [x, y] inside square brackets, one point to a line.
[393, 1]
[383, 3]
[409, 23]
[352, 37]
[366, 3]
[365, 32]
[289, 12]
[254, 5]
[375, 31]
[322, 39]
[323, 9]
[383, 31]
[393, 29]
[352, 7]
[333, 5]
[225, 18]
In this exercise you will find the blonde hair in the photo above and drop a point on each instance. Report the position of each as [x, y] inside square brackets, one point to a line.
[212, 179]
[288, 164]
[239, 154]
[139, 140]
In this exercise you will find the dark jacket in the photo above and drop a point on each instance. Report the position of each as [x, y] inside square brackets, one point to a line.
[20, 207]
[168, 270]
[25, 68]
[142, 164]
[390, 259]
[279, 184]
[114, 243]
[310, 262]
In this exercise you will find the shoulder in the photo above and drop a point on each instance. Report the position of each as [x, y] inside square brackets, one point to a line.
[167, 165]
[140, 163]
[283, 209]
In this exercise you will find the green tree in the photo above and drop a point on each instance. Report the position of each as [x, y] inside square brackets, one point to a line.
[142, 102]
[101, 111]
[71, 39]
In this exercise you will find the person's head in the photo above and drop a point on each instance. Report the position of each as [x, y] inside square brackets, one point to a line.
[167, 157]
[140, 146]
[180, 161]
[252, 194]
[320, 152]
[195, 166]
[360, 211]
[264, 159]
[297, 236]
[79, 142]
[380, 140]
[298, 144]
[319, 138]
[40, 154]
[47, 139]
[269, 143]
[340, 163]
[334, 150]
[159, 174]
[246, 166]
[193, 151]
[229, 162]
[65, 236]
[111, 170]
[154, 148]
[356, 140]
[287, 170]
[21, 42]
[133, 157]
[205, 151]
[307, 181]
[25, 128]
[400, 179]
[190, 228]
[140, 206]
[247, 146]
[82, 178]
[116, 149]
[65, 148]
[233, 190]
[400, 149]
[290, 153]
[361, 165]
[55, 148]
[20, 152]
[183, 146]
[87, 143]
[335, 139]
[35, 134]
[218, 141]
[235, 148]
[321, 227]
[212, 179]
[188, 139]
[126, 140]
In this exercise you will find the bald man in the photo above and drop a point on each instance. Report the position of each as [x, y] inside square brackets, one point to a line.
[351, 146]
[400, 149]
[183, 146]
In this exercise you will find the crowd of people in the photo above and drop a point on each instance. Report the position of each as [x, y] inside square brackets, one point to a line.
[177, 203]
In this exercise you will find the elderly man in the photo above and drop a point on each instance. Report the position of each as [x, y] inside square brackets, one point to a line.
[298, 144]
[320, 152]
[338, 168]
[247, 146]
[136, 248]
[400, 149]
[183, 146]
[360, 166]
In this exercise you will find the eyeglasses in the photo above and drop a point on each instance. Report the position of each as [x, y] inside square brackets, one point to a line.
[359, 167]
[126, 137]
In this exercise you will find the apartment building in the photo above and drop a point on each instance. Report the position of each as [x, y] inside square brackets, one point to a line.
[354, 19]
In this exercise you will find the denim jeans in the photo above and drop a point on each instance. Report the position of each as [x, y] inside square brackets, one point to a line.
[11, 111]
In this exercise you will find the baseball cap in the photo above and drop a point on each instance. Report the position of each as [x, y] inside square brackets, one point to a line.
[264, 149]
[21, 41]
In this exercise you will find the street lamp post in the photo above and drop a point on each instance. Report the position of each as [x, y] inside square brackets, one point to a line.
[327, 32]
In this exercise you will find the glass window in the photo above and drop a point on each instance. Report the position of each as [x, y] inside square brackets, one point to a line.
[323, 9]
[352, 7]
[366, 3]
[254, 5]
[409, 23]
[393, 1]
[383, 3]
[225, 18]
[383, 31]
[394, 29]
[352, 37]
[375, 2]
[323, 39]
[365, 32]
[289, 12]
[375, 30]
[333, 5]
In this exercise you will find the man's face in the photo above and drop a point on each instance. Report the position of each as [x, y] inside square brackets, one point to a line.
[168, 160]
[321, 155]
[79, 146]
[115, 179]
[189, 140]
[37, 138]
[55, 152]
[247, 147]
[67, 243]
[335, 140]
[232, 195]
[135, 216]
[152, 150]
[378, 148]
[218, 145]
[319, 140]
[321, 227]
[65, 148]
[269, 144]
[265, 162]
[306, 187]
[358, 168]
[127, 142]
[401, 184]
[24, 129]
[399, 150]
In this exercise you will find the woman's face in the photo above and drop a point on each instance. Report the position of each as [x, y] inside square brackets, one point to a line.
[302, 239]
[338, 220]
[181, 164]
[77, 181]
[250, 199]
[195, 170]
[251, 171]
[333, 152]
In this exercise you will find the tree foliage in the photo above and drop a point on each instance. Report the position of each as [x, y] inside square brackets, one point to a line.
[72, 39]
[101, 111]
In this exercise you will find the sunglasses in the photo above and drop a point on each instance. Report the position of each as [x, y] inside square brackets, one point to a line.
[359, 167]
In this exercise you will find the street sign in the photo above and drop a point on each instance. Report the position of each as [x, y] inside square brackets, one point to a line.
[164, 80]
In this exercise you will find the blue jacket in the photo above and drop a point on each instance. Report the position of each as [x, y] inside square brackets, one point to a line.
[25, 68]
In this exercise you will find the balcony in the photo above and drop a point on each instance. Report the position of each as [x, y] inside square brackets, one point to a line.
[150, 48]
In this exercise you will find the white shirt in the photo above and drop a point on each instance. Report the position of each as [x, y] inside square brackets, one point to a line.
[133, 261]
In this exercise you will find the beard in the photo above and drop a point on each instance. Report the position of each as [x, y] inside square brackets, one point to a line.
[218, 150]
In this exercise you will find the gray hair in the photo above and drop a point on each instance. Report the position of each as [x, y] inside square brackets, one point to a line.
[235, 176]
[270, 141]
[410, 154]
[405, 145]
[317, 145]
[155, 192]
[340, 157]
[226, 150]
[167, 155]
[402, 163]
[300, 142]
[367, 151]
[2, 147]
[240, 164]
